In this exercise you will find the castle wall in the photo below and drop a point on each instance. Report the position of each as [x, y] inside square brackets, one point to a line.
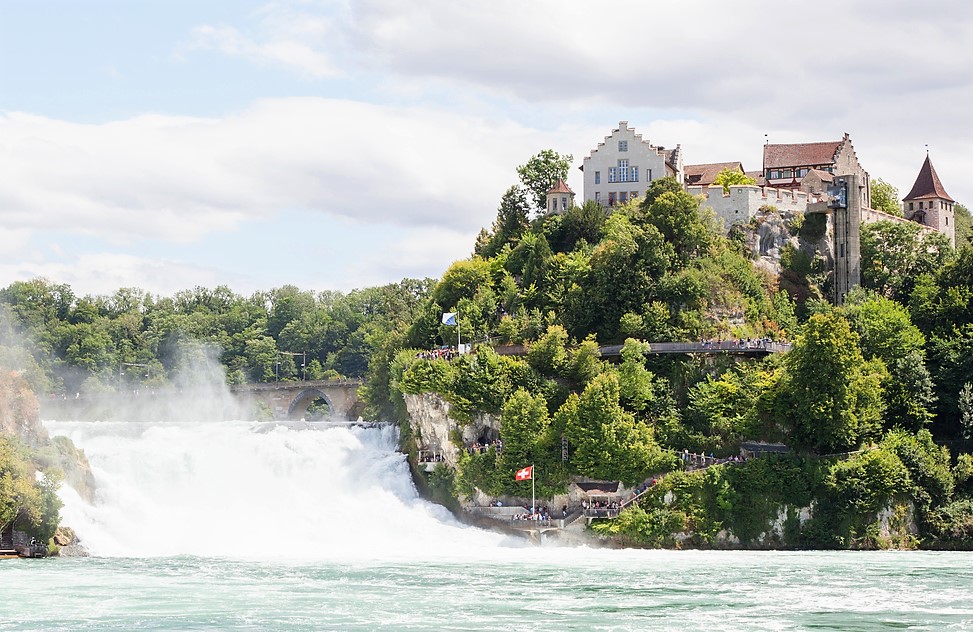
[741, 204]
[870, 216]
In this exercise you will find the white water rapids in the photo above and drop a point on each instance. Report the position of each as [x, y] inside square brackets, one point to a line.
[245, 526]
[245, 489]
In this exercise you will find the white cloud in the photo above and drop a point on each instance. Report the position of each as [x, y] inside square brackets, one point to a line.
[895, 75]
[280, 50]
[180, 178]
[104, 272]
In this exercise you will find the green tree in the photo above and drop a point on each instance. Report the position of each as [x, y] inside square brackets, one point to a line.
[524, 425]
[27, 501]
[964, 225]
[541, 172]
[730, 177]
[829, 397]
[966, 410]
[549, 354]
[512, 220]
[895, 254]
[885, 197]
[606, 442]
[676, 215]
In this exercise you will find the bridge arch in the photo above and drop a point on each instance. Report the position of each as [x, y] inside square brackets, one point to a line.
[299, 405]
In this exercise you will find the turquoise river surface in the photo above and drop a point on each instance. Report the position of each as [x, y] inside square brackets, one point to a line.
[242, 526]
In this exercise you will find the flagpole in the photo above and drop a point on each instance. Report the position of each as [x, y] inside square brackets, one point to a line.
[459, 344]
[533, 503]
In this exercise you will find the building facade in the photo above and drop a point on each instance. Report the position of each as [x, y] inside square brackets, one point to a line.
[785, 166]
[623, 166]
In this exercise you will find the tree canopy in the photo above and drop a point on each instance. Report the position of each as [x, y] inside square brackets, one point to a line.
[541, 172]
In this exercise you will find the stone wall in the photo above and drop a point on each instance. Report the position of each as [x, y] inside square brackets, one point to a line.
[742, 202]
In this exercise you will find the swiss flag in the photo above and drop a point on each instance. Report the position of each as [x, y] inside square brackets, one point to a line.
[525, 474]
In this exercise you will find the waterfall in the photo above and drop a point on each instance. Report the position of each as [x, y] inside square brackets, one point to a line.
[246, 489]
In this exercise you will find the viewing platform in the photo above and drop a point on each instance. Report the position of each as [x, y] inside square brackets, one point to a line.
[731, 347]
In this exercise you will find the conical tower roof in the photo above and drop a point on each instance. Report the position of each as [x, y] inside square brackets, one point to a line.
[928, 185]
[561, 187]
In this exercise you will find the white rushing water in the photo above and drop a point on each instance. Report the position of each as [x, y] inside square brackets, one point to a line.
[245, 526]
[245, 489]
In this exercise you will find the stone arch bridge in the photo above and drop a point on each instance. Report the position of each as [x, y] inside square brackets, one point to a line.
[281, 401]
[290, 400]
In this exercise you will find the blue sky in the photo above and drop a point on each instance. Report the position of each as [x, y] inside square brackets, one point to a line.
[334, 145]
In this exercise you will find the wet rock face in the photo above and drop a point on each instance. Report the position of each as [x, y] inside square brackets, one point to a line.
[68, 543]
[771, 231]
[437, 431]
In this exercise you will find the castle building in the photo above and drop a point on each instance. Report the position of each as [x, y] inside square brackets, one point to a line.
[929, 204]
[623, 166]
[785, 166]
[820, 178]
[560, 198]
[705, 174]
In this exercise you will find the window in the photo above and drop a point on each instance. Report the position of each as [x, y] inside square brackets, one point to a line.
[553, 205]
[597, 177]
[947, 220]
[633, 174]
[788, 173]
[623, 145]
[598, 196]
[920, 206]
[611, 199]
[648, 175]
[564, 203]
[623, 170]
[611, 174]
[622, 197]
[841, 250]
[911, 208]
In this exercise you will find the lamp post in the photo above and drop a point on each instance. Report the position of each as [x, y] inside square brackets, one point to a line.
[303, 355]
[121, 369]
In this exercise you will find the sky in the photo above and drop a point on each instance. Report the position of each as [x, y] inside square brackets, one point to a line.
[333, 145]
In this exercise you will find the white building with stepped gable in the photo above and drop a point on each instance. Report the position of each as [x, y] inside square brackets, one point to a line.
[622, 167]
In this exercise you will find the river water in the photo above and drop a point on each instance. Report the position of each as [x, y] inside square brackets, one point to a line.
[244, 526]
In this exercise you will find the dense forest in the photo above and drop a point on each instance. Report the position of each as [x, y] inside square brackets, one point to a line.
[874, 400]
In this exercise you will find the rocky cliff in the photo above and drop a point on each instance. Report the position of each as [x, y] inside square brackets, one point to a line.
[438, 433]
[20, 417]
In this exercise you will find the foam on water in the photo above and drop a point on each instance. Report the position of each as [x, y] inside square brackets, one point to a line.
[242, 489]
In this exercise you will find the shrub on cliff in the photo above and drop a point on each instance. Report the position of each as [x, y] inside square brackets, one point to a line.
[27, 502]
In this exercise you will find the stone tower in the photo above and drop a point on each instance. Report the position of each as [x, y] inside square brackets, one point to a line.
[846, 204]
[929, 204]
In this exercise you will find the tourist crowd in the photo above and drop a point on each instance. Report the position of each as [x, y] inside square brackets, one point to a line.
[739, 343]
[478, 448]
[442, 353]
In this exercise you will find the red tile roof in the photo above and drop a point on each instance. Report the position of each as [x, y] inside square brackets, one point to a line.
[825, 176]
[705, 174]
[927, 184]
[800, 154]
[561, 187]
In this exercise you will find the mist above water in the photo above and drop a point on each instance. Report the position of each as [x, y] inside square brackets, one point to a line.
[244, 489]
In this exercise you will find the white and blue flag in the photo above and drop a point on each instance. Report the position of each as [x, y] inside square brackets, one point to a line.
[449, 319]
